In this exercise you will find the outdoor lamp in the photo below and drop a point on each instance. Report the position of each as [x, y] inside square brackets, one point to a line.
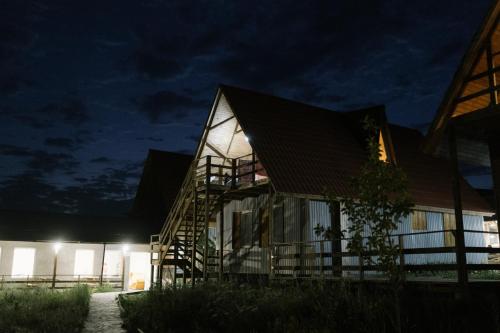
[57, 247]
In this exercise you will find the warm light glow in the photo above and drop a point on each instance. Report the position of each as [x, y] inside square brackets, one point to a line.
[84, 262]
[24, 260]
[382, 151]
[57, 247]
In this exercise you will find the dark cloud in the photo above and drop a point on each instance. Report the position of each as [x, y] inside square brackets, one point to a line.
[155, 65]
[72, 111]
[101, 159]
[12, 150]
[34, 122]
[150, 138]
[50, 162]
[167, 102]
[42, 161]
[60, 142]
[442, 54]
[11, 84]
[102, 195]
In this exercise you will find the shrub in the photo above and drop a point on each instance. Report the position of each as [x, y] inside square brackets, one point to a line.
[43, 310]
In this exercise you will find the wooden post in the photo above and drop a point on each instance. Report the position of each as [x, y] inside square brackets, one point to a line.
[193, 239]
[102, 263]
[207, 216]
[401, 256]
[336, 239]
[123, 272]
[457, 198]
[221, 240]
[253, 167]
[494, 148]
[270, 206]
[160, 273]
[176, 256]
[233, 173]
[54, 272]
[152, 273]
[321, 257]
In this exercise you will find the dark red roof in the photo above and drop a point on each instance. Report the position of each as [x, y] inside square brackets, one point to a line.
[430, 177]
[307, 149]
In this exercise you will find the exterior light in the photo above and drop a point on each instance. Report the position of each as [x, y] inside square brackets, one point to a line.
[247, 139]
[57, 247]
[125, 248]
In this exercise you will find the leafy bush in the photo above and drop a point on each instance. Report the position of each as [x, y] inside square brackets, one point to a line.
[43, 310]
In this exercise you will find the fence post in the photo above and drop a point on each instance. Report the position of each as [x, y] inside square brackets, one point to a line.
[402, 257]
[321, 258]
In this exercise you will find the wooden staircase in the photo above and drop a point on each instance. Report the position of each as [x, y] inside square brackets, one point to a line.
[201, 196]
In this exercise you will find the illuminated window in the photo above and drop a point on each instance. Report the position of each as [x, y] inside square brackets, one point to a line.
[24, 260]
[382, 148]
[84, 262]
[112, 263]
[418, 221]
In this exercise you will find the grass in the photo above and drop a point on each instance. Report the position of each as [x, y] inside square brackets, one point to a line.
[308, 307]
[240, 308]
[43, 310]
[104, 288]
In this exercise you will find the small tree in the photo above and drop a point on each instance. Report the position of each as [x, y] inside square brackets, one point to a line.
[380, 199]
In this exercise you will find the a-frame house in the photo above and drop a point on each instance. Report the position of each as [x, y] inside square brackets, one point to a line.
[255, 192]
[467, 124]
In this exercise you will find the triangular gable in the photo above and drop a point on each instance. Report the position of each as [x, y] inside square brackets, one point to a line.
[474, 87]
[224, 138]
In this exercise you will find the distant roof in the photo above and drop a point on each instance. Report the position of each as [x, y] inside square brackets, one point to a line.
[161, 180]
[307, 149]
[43, 226]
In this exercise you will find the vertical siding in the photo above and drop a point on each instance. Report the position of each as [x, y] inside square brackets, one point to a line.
[253, 259]
[473, 222]
[319, 214]
[247, 259]
[434, 223]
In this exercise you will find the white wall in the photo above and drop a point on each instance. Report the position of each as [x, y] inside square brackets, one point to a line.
[44, 258]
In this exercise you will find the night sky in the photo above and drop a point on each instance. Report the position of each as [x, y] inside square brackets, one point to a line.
[86, 88]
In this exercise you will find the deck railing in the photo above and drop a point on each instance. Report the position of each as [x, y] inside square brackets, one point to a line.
[316, 258]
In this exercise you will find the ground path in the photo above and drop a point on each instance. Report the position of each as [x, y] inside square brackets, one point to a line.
[104, 314]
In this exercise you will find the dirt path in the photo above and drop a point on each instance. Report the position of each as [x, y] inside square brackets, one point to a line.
[104, 314]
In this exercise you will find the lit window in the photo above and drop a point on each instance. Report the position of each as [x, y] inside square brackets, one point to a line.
[24, 260]
[112, 263]
[84, 262]
[418, 221]
[382, 148]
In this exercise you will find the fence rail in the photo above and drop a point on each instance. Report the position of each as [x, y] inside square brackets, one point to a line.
[316, 258]
[61, 281]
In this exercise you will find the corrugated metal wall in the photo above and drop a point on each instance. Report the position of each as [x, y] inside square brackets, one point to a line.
[301, 217]
[434, 223]
[247, 259]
